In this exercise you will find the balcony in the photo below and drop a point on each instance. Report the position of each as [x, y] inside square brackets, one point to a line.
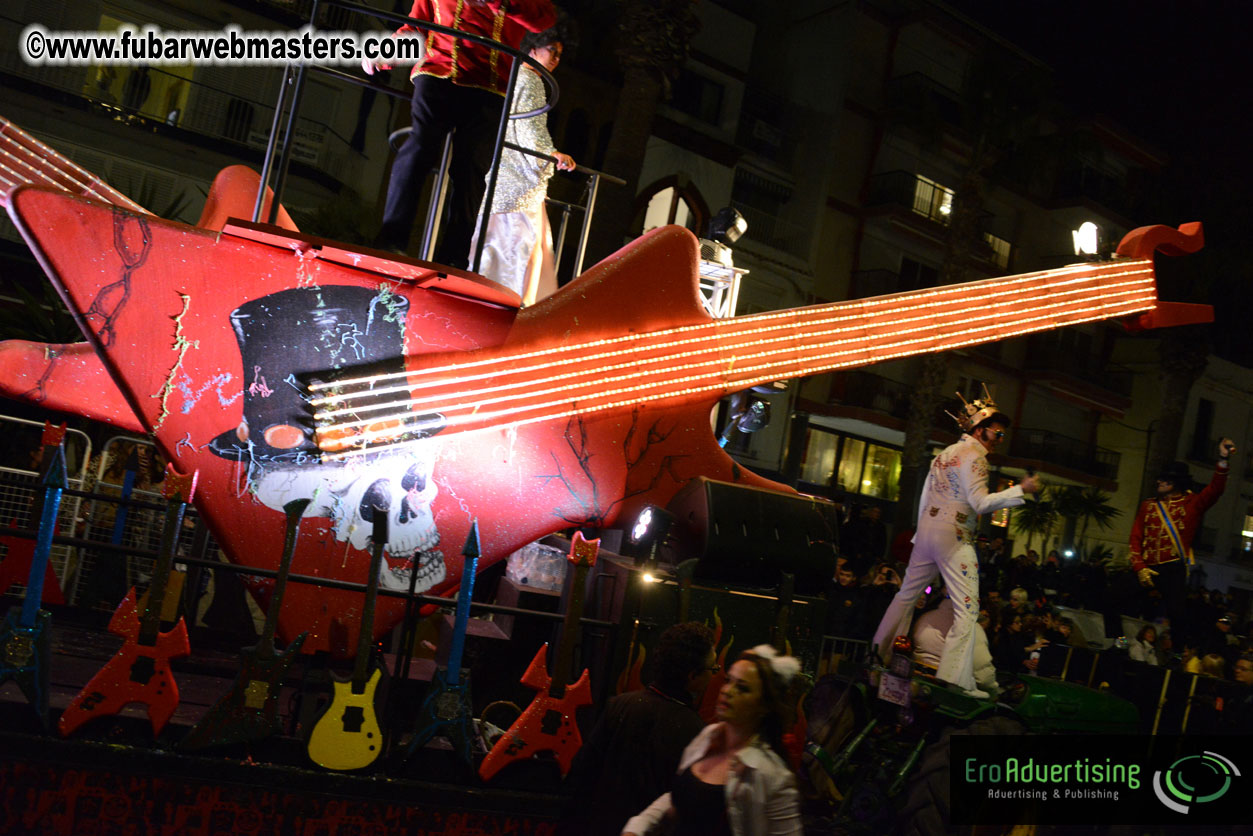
[156, 101]
[912, 192]
[1045, 354]
[1085, 183]
[764, 126]
[866, 283]
[1053, 448]
[921, 96]
[870, 391]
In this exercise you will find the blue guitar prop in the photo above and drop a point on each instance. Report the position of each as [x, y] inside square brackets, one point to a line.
[446, 712]
[26, 635]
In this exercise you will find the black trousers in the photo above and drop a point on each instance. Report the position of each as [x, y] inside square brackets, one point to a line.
[437, 108]
[1172, 582]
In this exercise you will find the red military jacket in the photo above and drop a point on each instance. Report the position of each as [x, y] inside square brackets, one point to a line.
[1151, 543]
[470, 64]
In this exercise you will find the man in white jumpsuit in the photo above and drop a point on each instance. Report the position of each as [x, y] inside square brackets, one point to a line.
[955, 493]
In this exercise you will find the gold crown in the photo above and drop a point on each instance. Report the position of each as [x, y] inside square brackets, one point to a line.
[977, 411]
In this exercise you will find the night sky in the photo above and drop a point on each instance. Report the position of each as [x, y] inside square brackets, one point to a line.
[1178, 74]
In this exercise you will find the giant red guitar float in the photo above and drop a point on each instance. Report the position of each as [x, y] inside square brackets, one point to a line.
[283, 366]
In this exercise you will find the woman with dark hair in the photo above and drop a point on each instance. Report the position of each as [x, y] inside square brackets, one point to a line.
[733, 779]
[1143, 648]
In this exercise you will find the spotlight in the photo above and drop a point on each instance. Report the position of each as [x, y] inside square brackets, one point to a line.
[1087, 239]
[648, 534]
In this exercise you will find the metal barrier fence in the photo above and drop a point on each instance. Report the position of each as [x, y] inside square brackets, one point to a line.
[21, 486]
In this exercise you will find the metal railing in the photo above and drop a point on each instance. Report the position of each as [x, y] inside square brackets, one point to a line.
[1049, 446]
[151, 98]
[291, 90]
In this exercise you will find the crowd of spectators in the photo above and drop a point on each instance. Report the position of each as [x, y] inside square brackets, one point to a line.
[1024, 601]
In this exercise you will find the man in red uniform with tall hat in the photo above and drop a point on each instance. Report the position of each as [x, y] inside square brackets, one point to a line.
[458, 86]
[1166, 524]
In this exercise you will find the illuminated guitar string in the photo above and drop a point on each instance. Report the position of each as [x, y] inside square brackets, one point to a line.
[1020, 322]
[554, 354]
[88, 183]
[736, 342]
[1025, 324]
[771, 370]
[513, 381]
[806, 361]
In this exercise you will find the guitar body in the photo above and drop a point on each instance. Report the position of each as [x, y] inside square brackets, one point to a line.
[136, 673]
[547, 725]
[24, 655]
[447, 712]
[143, 289]
[347, 735]
[249, 711]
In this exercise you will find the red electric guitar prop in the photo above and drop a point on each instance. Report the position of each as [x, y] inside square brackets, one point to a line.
[578, 410]
[548, 724]
[249, 711]
[26, 634]
[447, 710]
[140, 670]
[347, 735]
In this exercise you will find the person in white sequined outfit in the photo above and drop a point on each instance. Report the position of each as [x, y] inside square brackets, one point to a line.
[955, 493]
[518, 252]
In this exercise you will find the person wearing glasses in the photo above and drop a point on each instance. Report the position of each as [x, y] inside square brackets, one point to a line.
[632, 754]
[1165, 525]
[954, 495]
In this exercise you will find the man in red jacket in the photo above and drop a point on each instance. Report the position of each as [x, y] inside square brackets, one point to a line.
[459, 85]
[1161, 537]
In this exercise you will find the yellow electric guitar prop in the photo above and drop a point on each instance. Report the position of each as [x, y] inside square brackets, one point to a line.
[347, 735]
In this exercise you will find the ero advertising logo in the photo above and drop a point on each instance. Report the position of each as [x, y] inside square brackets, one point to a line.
[1194, 779]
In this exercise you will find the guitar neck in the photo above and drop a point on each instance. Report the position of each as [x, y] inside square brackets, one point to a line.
[30, 161]
[54, 483]
[365, 640]
[150, 621]
[294, 511]
[709, 359]
[178, 491]
[457, 647]
[583, 556]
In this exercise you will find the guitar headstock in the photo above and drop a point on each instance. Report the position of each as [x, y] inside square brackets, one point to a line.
[179, 486]
[583, 551]
[52, 435]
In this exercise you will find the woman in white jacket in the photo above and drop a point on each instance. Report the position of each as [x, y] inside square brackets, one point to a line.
[733, 779]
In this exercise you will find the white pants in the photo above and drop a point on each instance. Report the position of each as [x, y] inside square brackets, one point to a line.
[941, 549]
[518, 253]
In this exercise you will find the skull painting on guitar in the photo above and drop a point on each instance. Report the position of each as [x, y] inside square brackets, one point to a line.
[349, 495]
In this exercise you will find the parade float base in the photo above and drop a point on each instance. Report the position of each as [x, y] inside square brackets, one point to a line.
[114, 777]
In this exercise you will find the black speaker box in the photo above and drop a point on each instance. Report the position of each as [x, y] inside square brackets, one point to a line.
[748, 536]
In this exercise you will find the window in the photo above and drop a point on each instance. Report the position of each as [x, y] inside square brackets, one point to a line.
[931, 200]
[850, 465]
[916, 276]
[857, 466]
[881, 475]
[1246, 534]
[698, 96]
[1000, 250]
[1202, 431]
[670, 202]
[819, 461]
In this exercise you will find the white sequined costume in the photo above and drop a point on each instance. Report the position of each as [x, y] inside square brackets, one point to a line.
[955, 493]
[519, 249]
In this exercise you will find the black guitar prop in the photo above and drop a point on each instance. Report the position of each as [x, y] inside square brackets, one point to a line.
[249, 711]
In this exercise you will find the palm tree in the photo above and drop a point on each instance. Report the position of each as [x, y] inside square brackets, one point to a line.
[1000, 105]
[1034, 517]
[654, 37]
[1094, 507]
